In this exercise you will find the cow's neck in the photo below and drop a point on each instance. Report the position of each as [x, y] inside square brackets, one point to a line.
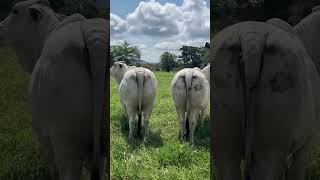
[308, 30]
[29, 52]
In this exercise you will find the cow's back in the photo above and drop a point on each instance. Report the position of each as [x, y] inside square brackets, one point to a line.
[129, 86]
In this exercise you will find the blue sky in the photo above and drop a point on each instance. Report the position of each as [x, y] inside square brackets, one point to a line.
[156, 26]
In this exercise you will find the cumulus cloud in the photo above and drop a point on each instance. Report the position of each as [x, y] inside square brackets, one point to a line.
[192, 18]
[152, 18]
[196, 15]
[117, 24]
[166, 45]
[140, 46]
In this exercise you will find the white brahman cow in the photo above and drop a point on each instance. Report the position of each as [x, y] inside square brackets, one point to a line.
[190, 91]
[138, 87]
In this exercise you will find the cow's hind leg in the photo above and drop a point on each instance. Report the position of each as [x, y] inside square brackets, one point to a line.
[45, 146]
[131, 116]
[103, 174]
[227, 142]
[124, 108]
[203, 114]
[46, 150]
[182, 122]
[299, 163]
[268, 160]
[146, 118]
[193, 116]
[202, 117]
[68, 155]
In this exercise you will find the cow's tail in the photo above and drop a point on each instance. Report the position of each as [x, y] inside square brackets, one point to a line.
[140, 81]
[188, 84]
[96, 38]
[252, 46]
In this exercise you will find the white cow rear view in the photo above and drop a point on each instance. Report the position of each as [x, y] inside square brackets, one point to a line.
[190, 92]
[137, 88]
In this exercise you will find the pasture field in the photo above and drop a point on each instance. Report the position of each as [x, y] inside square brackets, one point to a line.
[19, 155]
[162, 156]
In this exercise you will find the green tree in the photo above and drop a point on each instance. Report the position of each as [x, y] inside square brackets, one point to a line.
[168, 61]
[204, 56]
[85, 7]
[190, 56]
[124, 52]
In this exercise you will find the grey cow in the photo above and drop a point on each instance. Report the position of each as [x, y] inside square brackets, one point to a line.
[67, 58]
[266, 100]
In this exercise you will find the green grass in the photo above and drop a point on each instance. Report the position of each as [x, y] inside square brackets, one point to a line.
[162, 156]
[19, 155]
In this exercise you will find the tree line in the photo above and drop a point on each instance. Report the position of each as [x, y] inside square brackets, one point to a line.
[87, 8]
[190, 57]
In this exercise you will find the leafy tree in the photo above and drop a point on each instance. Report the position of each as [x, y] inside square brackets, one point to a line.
[85, 7]
[204, 56]
[190, 56]
[168, 61]
[124, 52]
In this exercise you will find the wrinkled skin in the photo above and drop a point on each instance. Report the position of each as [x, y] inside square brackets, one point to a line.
[129, 90]
[64, 98]
[280, 102]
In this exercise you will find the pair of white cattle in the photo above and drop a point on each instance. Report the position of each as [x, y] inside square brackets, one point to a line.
[138, 87]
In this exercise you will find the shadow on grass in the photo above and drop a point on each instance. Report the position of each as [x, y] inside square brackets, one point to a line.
[202, 134]
[154, 139]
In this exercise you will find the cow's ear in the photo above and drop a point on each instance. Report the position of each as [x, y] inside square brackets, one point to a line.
[35, 12]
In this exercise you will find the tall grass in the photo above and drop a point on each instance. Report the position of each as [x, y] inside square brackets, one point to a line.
[19, 155]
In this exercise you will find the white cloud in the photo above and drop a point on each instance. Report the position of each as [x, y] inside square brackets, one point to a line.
[140, 46]
[196, 15]
[152, 18]
[192, 18]
[117, 24]
[165, 45]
